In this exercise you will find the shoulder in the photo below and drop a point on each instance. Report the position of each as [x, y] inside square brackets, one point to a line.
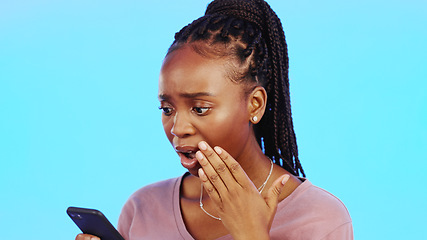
[323, 201]
[155, 188]
[314, 211]
[156, 195]
[148, 206]
[161, 189]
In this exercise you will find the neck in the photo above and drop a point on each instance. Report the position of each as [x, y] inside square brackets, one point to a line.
[253, 161]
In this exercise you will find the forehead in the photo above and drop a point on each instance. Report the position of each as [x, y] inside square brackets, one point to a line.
[185, 71]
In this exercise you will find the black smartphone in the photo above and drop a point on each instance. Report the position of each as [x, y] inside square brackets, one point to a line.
[92, 221]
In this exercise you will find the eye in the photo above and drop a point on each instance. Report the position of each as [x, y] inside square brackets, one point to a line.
[201, 110]
[167, 111]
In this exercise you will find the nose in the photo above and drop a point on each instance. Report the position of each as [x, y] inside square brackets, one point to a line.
[182, 126]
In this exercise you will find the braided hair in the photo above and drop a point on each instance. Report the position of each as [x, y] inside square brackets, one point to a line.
[250, 32]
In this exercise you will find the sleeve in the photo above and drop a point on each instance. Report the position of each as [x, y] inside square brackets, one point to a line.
[343, 232]
[125, 220]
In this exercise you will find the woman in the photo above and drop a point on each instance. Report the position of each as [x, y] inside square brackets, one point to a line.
[224, 93]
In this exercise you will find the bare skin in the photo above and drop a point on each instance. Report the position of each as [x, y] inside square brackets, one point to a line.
[221, 116]
[87, 237]
[209, 121]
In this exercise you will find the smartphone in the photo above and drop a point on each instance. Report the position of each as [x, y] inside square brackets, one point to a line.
[92, 221]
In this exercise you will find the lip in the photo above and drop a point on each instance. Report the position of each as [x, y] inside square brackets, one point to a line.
[187, 155]
[186, 149]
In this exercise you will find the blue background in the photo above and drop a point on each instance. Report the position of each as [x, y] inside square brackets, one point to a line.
[79, 123]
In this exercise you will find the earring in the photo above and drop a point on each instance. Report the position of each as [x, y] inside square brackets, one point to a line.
[254, 118]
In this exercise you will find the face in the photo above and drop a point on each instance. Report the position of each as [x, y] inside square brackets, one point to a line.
[200, 102]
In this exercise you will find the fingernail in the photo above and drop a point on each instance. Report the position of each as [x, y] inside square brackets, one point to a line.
[201, 173]
[218, 150]
[285, 179]
[199, 155]
[203, 146]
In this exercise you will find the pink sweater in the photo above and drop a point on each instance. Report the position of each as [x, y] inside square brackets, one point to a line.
[153, 212]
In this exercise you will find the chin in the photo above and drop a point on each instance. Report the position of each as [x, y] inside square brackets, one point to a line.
[194, 172]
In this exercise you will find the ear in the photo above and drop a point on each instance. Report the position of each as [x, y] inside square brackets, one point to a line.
[257, 103]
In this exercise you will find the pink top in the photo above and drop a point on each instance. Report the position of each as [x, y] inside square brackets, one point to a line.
[153, 212]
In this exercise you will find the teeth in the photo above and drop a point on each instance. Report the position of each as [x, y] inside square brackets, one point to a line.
[189, 154]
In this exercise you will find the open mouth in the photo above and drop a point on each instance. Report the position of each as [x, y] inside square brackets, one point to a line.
[188, 157]
[189, 154]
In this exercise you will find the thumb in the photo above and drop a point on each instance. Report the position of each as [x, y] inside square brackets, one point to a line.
[275, 190]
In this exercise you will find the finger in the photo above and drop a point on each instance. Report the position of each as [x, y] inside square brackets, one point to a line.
[236, 171]
[210, 174]
[274, 192]
[210, 189]
[82, 236]
[214, 167]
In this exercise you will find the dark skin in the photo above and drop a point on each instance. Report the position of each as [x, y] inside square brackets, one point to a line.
[231, 171]
[208, 119]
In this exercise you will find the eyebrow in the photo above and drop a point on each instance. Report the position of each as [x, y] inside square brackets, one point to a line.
[187, 95]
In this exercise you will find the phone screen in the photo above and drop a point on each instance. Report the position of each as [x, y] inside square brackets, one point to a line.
[92, 221]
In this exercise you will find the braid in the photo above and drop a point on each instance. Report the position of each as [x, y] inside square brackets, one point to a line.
[251, 32]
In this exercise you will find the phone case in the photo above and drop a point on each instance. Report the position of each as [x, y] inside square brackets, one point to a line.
[92, 221]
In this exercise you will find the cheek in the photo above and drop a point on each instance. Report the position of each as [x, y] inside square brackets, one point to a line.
[230, 130]
[167, 126]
